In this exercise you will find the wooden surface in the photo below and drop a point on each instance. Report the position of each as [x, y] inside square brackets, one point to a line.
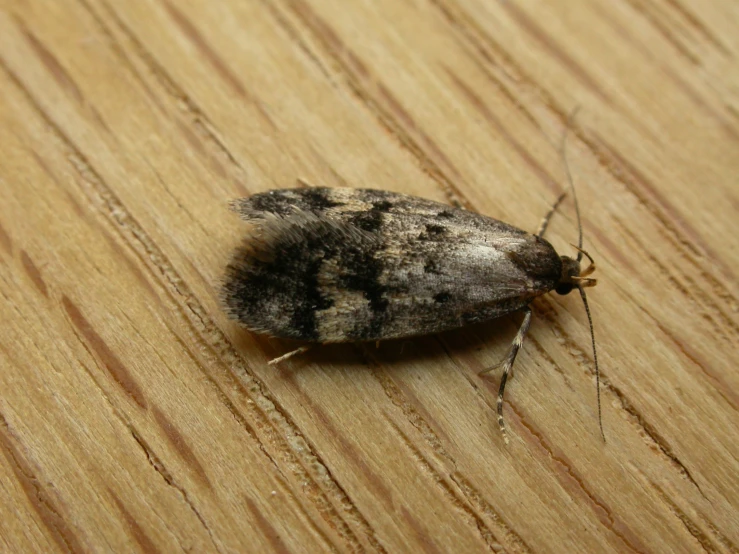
[135, 417]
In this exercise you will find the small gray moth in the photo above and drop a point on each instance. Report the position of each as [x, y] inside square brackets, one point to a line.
[328, 265]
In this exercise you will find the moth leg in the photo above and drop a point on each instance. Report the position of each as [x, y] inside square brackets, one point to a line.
[284, 357]
[507, 364]
[545, 222]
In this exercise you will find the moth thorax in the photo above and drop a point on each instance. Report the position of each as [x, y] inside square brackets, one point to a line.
[570, 274]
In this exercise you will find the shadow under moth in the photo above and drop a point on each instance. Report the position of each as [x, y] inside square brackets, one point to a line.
[327, 265]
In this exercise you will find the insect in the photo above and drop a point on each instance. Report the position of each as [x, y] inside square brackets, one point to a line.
[328, 265]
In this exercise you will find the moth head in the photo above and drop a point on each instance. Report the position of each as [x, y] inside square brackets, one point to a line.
[572, 276]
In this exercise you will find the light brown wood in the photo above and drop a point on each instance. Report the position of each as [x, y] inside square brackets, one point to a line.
[134, 416]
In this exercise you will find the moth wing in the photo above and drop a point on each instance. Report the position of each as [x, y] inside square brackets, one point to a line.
[277, 283]
[363, 264]
[336, 203]
[471, 275]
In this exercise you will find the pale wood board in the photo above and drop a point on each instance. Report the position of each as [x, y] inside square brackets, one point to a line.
[134, 416]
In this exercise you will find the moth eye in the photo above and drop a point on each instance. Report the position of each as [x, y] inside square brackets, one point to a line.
[564, 288]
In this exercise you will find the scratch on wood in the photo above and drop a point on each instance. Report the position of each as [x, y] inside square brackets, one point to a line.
[273, 537]
[92, 340]
[178, 442]
[5, 241]
[530, 26]
[470, 503]
[487, 113]
[379, 101]
[49, 511]
[164, 473]
[189, 29]
[644, 10]
[137, 532]
[572, 481]
[33, 273]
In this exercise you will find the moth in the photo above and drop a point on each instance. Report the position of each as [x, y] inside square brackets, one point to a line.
[331, 265]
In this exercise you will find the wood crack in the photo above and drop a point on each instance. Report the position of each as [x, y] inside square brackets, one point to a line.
[381, 104]
[50, 515]
[469, 502]
[567, 473]
[690, 526]
[607, 386]
[160, 468]
[182, 102]
[470, 496]
[690, 292]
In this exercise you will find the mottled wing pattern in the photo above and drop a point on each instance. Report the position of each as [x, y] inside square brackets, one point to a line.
[334, 265]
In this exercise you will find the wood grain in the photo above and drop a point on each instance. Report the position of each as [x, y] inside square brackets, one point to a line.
[135, 417]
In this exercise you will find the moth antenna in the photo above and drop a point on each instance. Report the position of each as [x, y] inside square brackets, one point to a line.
[545, 222]
[595, 358]
[591, 268]
[570, 122]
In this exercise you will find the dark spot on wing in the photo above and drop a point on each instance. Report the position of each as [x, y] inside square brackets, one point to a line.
[442, 297]
[371, 220]
[432, 266]
[373, 196]
[317, 199]
[361, 272]
[272, 202]
[257, 289]
[382, 206]
[446, 214]
[432, 232]
[284, 202]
